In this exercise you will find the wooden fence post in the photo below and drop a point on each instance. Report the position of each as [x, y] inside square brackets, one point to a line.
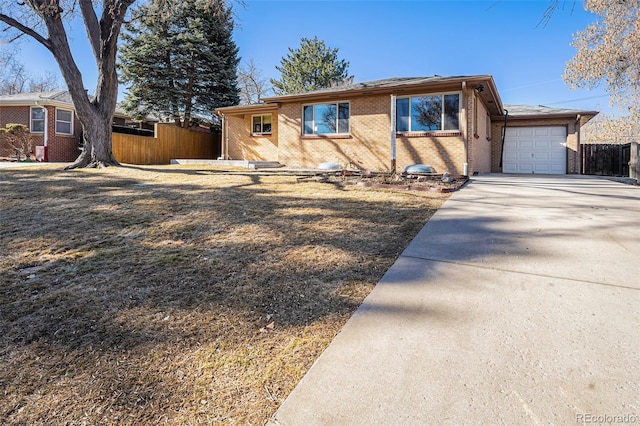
[634, 162]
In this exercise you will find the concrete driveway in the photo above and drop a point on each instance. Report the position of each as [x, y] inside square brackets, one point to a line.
[516, 304]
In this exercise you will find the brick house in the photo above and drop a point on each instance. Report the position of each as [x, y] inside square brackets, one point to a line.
[52, 122]
[454, 124]
[54, 126]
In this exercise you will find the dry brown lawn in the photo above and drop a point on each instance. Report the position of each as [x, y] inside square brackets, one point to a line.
[180, 295]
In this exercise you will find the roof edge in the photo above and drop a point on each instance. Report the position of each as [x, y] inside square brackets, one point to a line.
[584, 116]
[247, 109]
[363, 89]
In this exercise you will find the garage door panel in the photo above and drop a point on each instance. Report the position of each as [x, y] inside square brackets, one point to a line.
[511, 156]
[543, 144]
[509, 168]
[557, 157]
[524, 168]
[535, 150]
[558, 131]
[517, 168]
[541, 156]
[542, 168]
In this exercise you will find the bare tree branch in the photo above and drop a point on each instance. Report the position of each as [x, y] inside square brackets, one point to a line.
[608, 51]
[26, 30]
[551, 10]
[91, 24]
[253, 87]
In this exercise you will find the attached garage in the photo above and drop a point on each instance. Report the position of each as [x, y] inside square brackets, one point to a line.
[537, 139]
[541, 150]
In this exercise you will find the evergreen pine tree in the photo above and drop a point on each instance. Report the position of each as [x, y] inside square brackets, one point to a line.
[179, 60]
[310, 67]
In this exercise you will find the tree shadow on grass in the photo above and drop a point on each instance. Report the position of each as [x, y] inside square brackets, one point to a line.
[107, 279]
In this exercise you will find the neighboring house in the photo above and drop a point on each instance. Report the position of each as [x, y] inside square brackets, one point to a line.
[54, 126]
[454, 124]
[52, 122]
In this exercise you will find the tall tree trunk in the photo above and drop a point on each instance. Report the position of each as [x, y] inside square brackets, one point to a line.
[188, 105]
[97, 138]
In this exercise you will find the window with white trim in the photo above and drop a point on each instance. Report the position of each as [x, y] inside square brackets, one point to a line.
[64, 122]
[36, 120]
[261, 124]
[326, 119]
[428, 113]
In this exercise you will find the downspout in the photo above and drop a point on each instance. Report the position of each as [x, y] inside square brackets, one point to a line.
[46, 134]
[226, 137]
[393, 135]
[223, 136]
[466, 128]
[504, 134]
[578, 143]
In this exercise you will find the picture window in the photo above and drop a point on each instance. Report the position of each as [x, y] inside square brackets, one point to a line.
[428, 113]
[326, 119]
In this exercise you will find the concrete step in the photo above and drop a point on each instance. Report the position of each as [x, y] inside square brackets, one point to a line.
[253, 165]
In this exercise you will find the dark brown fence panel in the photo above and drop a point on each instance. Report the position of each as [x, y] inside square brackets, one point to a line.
[170, 142]
[606, 159]
[625, 158]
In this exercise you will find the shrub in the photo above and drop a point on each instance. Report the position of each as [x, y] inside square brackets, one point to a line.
[19, 138]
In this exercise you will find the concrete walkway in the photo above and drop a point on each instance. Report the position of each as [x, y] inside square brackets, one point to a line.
[516, 304]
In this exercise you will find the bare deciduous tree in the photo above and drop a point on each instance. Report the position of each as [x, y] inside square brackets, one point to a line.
[608, 51]
[46, 21]
[13, 75]
[611, 129]
[44, 82]
[253, 87]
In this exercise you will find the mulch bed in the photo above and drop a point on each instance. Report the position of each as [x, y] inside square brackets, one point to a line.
[405, 182]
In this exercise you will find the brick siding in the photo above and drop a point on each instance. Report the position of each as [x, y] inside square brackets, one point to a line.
[481, 140]
[62, 148]
[244, 146]
[369, 144]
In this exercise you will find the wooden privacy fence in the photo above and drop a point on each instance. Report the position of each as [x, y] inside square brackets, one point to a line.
[606, 159]
[170, 142]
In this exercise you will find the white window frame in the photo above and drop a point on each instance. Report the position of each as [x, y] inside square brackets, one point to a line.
[43, 119]
[337, 104]
[442, 115]
[261, 132]
[70, 122]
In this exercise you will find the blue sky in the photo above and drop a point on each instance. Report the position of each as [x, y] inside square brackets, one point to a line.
[383, 39]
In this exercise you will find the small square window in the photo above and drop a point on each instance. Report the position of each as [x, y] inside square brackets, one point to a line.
[261, 124]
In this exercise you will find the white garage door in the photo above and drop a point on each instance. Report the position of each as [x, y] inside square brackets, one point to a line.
[535, 150]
